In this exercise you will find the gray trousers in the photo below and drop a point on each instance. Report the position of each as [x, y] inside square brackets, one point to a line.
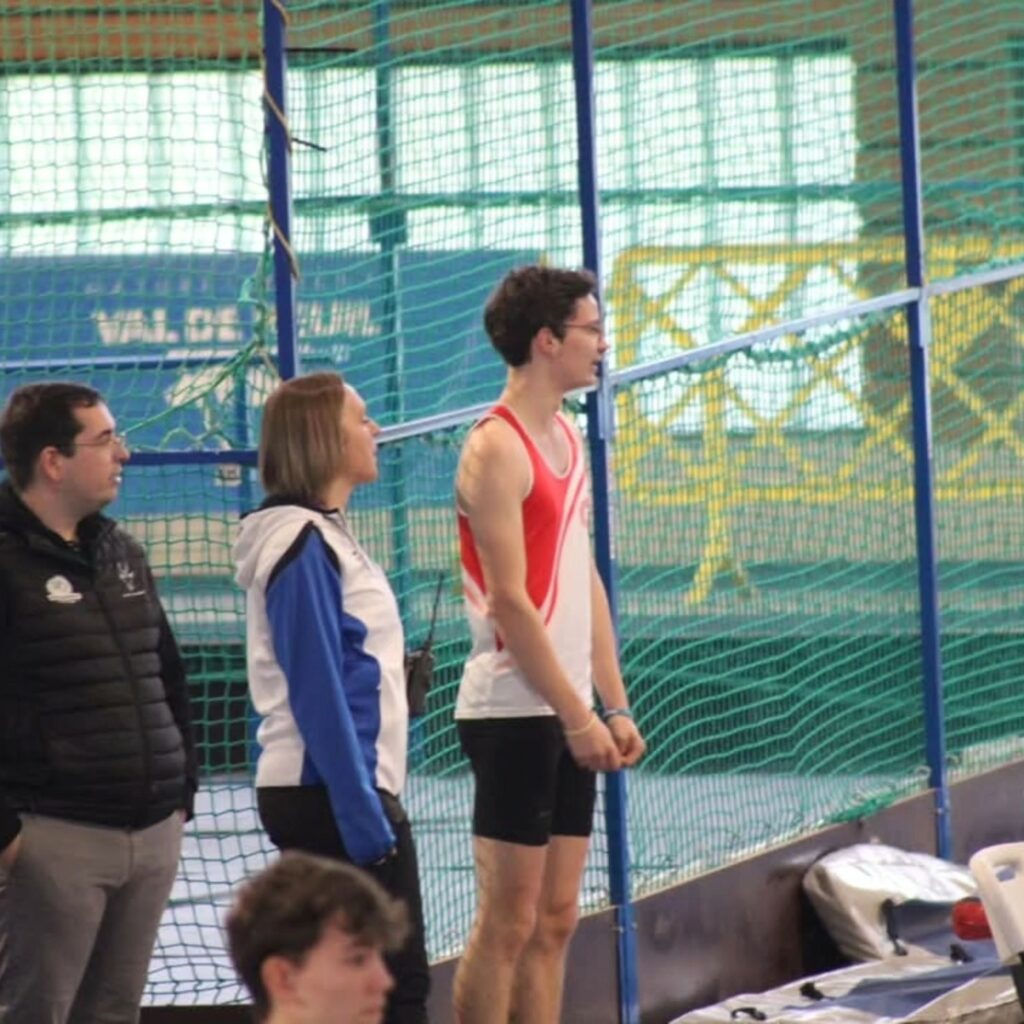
[79, 912]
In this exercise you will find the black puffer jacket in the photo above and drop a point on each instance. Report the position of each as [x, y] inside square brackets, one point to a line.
[94, 715]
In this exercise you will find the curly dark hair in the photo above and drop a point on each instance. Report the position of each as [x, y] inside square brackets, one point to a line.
[529, 298]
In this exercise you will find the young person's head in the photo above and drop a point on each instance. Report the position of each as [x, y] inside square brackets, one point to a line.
[532, 298]
[315, 431]
[61, 436]
[307, 936]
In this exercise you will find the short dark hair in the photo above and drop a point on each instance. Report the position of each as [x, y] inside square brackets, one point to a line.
[39, 416]
[283, 911]
[529, 298]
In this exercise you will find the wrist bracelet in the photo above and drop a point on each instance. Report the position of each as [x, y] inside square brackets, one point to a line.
[569, 733]
[610, 713]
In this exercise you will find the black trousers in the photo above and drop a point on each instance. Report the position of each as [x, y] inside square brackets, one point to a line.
[300, 818]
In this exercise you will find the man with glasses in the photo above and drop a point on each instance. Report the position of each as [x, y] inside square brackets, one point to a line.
[97, 759]
[542, 643]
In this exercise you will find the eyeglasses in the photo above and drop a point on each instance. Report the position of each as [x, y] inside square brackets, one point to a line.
[596, 330]
[106, 441]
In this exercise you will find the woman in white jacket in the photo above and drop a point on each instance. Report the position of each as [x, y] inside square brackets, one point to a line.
[325, 658]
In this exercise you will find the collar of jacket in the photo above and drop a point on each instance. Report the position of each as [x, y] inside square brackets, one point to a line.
[16, 517]
[280, 499]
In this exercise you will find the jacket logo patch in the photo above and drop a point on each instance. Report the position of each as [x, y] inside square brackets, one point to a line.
[126, 574]
[60, 591]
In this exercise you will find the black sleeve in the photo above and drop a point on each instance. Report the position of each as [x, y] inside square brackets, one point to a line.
[10, 820]
[172, 672]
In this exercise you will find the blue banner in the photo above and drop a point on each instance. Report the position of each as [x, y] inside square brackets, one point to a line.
[156, 334]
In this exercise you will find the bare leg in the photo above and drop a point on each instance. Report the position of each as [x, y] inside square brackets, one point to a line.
[540, 977]
[509, 879]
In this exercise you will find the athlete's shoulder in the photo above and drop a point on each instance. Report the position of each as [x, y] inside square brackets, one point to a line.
[494, 467]
[492, 447]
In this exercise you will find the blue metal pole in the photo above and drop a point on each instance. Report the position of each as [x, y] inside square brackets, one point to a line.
[388, 230]
[919, 328]
[278, 173]
[241, 439]
[600, 428]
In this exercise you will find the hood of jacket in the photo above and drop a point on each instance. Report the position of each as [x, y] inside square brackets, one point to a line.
[259, 527]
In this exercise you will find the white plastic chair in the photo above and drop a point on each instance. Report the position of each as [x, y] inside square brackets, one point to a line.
[999, 871]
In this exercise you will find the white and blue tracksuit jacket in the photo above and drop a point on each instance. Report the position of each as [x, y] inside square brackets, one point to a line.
[325, 655]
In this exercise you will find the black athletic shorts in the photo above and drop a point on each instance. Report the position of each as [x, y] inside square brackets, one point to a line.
[528, 787]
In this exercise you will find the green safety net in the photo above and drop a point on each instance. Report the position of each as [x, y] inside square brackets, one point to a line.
[768, 604]
[763, 504]
[977, 373]
[971, 81]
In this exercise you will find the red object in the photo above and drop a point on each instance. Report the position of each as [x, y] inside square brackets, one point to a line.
[970, 920]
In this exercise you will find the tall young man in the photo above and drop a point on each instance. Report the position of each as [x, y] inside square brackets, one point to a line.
[542, 642]
[97, 760]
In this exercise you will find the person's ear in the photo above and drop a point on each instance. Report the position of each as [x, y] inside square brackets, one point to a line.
[49, 464]
[278, 976]
[547, 343]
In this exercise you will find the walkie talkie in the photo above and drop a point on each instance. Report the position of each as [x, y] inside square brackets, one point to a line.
[419, 663]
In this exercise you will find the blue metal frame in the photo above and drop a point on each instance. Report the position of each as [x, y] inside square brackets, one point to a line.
[978, 279]
[600, 427]
[919, 328]
[223, 456]
[387, 228]
[240, 402]
[115, 363]
[735, 342]
[279, 182]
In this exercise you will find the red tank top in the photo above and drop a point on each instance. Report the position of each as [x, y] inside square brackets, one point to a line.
[557, 544]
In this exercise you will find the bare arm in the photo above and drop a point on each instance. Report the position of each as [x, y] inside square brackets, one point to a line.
[608, 675]
[492, 479]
